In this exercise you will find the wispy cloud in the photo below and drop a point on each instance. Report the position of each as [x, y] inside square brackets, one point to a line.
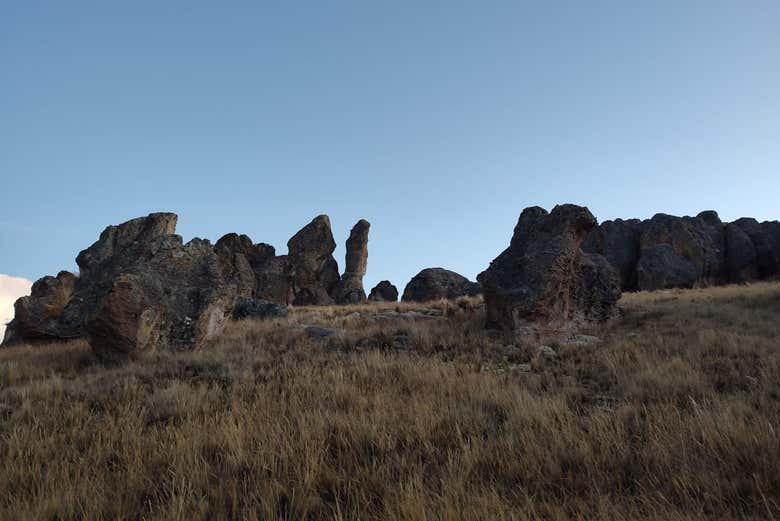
[11, 288]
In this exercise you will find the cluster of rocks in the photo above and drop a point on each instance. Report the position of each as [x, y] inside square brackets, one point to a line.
[141, 288]
[684, 252]
[543, 285]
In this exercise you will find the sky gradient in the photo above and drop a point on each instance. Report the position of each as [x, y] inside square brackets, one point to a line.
[438, 123]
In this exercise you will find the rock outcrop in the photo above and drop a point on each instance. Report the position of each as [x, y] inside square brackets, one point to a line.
[438, 283]
[41, 315]
[385, 291]
[349, 289]
[684, 252]
[249, 308]
[314, 271]
[542, 285]
[141, 289]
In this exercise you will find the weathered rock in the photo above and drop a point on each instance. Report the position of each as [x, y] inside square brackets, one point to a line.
[249, 308]
[741, 257]
[39, 316]
[274, 280]
[438, 283]
[233, 254]
[175, 300]
[597, 295]
[680, 252]
[688, 251]
[314, 271]
[539, 285]
[320, 333]
[384, 291]
[349, 289]
[662, 267]
[581, 340]
[136, 238]
[766, 240]
[618, 242]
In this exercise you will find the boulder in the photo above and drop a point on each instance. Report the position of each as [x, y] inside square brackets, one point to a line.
[438, 283]
[349, 289]
[384, 291]
[249, 308]
[176, 300]
[314, 271]
[39, 317]
[540, 286]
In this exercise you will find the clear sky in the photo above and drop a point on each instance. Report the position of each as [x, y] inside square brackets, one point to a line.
[436, 121]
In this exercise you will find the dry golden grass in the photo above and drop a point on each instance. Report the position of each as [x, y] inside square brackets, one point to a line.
[674, 416]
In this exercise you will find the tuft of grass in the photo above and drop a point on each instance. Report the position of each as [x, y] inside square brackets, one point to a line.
[675, 415]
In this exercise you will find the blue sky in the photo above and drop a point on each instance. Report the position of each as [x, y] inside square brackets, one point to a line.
[436, 121]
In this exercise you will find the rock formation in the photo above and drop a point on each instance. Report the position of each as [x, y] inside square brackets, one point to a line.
[384, 291]
[349, 289]
[542, 285]
[438, 283]
[257, 309]
[40, 316]
[141, 289]
[683, 252]
[314, 271]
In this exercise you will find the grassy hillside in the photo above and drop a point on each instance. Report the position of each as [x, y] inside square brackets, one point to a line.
[675, 415]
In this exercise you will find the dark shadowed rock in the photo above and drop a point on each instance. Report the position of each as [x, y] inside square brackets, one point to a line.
[314, 271]
[349, 289]
[693, 252]
[540, 286]
[766, 240]
[248, 308]
[384, 291]
[741, 257]
[662, 267]
[40, 315]
[438, 283]
[618, 241]
[596, 295]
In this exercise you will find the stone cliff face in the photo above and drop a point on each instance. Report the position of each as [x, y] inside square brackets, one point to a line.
[683, 252]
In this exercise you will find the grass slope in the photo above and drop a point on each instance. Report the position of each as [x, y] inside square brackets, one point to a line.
[675, 416]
